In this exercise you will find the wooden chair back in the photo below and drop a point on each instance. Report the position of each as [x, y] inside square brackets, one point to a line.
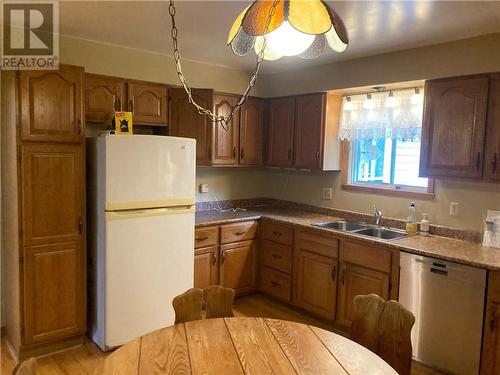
[27, 367]
[195, 304]
[188, 306]
[384, 327]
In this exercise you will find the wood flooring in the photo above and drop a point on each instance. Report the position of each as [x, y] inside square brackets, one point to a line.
[84, 359]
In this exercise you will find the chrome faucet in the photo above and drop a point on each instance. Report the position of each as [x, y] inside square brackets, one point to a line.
[378, 215]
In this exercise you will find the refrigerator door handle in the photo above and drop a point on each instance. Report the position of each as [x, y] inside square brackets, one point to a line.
[129, 214]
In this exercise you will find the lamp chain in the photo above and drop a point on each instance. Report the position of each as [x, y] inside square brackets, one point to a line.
[224, 121]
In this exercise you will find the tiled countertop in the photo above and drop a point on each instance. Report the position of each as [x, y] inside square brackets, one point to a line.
[459, 251]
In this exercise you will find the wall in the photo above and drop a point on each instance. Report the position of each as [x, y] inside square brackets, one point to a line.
[467, 56]
[131, 63]
[231, 183]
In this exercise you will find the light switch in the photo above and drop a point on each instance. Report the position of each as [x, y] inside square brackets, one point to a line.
[454, 208]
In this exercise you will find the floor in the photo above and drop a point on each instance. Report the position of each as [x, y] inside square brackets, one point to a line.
[84, 359]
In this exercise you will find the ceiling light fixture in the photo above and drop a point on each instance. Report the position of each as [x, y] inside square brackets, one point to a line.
[297, 27]
[273, 28]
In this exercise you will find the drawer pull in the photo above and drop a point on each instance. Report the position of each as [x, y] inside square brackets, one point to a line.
[202, 238]
[276, 256]
[222, 256]
[334, 272]
[278, 234]
[214, 258]
[343, 276]
[275, 284]
[240, 233]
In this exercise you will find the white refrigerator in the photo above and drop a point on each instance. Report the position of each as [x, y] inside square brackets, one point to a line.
[141, 206]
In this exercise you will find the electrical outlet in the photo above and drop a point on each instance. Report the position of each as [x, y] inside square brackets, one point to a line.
[454, 208]
[327, 193]
[204, 188]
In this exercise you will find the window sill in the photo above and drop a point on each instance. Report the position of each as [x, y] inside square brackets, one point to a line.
[390, 191]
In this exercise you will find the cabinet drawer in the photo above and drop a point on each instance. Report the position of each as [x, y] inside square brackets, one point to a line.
[238, 232]
[277, 256]
[276, 283]
[281, 233]
[317, 243]
[368, 256]
[205, 237]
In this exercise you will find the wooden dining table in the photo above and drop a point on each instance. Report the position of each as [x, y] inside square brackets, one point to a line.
[243, 346]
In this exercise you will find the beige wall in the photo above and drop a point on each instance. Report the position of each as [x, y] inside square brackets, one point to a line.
[130, 63]
[468, 56]
[231, 183]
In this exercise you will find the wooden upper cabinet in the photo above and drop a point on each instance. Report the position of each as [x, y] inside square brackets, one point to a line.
[148, 102]
[225, 141]
[53, 201]
[103, 96]
[251, 132]
[454, 127]
[51, 105]
[492, 146]
[185, 121]
[309, 126]
[281, 126]
[54, 285]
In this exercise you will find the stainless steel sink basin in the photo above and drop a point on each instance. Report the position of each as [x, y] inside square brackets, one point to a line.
[344, 225]
[383, 233]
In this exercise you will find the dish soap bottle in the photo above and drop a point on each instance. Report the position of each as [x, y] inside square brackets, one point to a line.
[411, 224]
[424, 225]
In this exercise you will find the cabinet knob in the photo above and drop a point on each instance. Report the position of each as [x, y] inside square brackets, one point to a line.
[234, 153]
[242, 154]
[203, 238]
[343, 276]
[277, 234]
[494, 163]
[275, 284]
[240, 233]
[276, 256]
[214, 258]
[334, 272]
[317, 155]
[222, 256]
[289, 154]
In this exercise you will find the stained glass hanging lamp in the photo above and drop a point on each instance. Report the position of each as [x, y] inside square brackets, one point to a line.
[273, 28]
[297, 27]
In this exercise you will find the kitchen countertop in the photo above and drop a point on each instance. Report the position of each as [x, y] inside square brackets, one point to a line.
[444, 248]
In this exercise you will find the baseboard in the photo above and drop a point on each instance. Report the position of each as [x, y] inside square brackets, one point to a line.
[47, 349]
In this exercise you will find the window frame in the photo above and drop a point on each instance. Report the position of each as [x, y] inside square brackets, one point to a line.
[409, 191]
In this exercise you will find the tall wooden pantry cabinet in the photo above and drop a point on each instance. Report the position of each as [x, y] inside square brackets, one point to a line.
[43, 209]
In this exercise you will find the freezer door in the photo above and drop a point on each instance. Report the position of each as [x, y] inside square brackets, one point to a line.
[149, 259]
[145, 171]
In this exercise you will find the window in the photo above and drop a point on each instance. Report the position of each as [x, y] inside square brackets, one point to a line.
[381, 133]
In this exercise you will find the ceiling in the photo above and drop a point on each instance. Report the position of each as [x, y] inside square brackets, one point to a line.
[374, 27]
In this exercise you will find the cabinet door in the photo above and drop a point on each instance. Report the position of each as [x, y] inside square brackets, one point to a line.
[238, 266]
[51, 105]
[492, 149]
[317, 284]
[355, 280]
[54, 286]
[454, 127]
[309, 125]
[225, 142]
[185, 121]
[205, 267]
[251, 131]
[281, 124]
[103, 96]
[52, 180]
[148, 103]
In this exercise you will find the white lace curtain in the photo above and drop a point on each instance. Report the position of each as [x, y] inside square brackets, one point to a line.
[382, 116]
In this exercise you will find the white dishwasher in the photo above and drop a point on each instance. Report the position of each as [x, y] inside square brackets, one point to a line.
[447, 300]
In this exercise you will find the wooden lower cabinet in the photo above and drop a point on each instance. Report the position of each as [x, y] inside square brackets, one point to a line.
[490, 357]
[238, 266]
[206, 271]
[54, 292]
[317, 284]
[355, 280]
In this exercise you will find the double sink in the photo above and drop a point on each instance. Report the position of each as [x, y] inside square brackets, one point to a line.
[363, 229]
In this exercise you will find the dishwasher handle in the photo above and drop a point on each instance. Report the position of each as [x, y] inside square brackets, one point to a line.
[439, 271]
